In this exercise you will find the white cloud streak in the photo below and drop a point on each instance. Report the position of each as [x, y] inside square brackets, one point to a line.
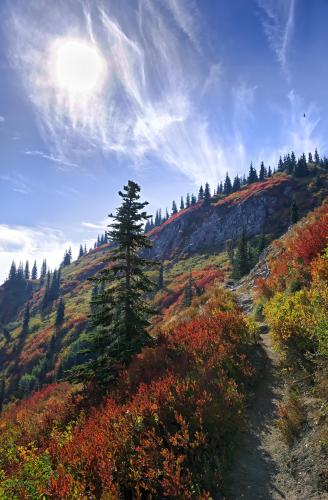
[17, 183]
[59, 161]
[147, 108]
[278, 25]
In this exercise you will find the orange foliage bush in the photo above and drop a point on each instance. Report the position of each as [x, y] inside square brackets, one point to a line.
[294, 253]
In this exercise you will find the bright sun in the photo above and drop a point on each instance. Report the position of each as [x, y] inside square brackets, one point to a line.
[77, 67]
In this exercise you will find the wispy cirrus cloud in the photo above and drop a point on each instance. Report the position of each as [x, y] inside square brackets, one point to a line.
[149, 105]
[278, 24]
[17, 183]
[59, 161]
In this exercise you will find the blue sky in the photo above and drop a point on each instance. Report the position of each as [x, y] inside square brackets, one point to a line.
[189, 90]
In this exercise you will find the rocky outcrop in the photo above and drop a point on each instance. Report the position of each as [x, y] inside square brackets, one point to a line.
[201, 228]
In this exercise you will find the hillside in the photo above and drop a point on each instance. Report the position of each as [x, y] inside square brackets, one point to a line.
[205, 362]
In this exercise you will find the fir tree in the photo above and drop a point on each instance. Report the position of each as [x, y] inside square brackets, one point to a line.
[252, 175]
[280, 165]
[241, 258]
[20, 272]
[227, 189]
[81, 253]
[174, 208]
[263, 172]
[310, 160]
[167, 214]
[188, 201]
[193, 199]
[201, 193]
[34, 274]
[316, 157]
[182, 203]
[26, 320]
[269, 172]
[207, 194]
[27, 271]
[60, 313]
[13, 271]
[294, 216]
[121, 317]
[236, 184]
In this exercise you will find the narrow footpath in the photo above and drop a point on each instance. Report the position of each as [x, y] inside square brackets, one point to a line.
[260, 469]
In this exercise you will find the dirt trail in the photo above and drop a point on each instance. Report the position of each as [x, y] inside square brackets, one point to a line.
[261, 468]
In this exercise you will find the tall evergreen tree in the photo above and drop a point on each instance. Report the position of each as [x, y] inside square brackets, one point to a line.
[26, 320]
[201, 193]
[27, 271]
[122, 312]
[174, 208]
[20, 271]
[252, 175]
[294, 216]
[207, 194]
[316, 157]
[34, 274]
[227, 189]
[81, 253]
[193, 200]
[280, 165]
[241, 258]
[236, 184]
[263, 172]
[13, 271]
[188, 201]
[60, 313]
[310, 158]
[182, 203]
[269, 171]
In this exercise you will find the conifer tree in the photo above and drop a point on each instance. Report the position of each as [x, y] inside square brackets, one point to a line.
[269, 172]
[122, 312]
[188, 201]
[193, 199]
[13, 271]
[174, 208]
[207, 194]
[60, 313]
[316, 157]
[263, 173]
[294, 216]
[34, 274]
[81, 253]
[252, 175]
[201, 193]
[166, 214]
[241, 259]
[310, 160]
[280, 165]
[26, 320]
[236, 184]
[20, 271]
[27, 271]
[182, 203]
[227, 189]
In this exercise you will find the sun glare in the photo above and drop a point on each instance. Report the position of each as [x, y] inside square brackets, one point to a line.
[77, 67]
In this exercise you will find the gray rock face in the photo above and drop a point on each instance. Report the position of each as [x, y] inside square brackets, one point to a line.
[201, 228]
